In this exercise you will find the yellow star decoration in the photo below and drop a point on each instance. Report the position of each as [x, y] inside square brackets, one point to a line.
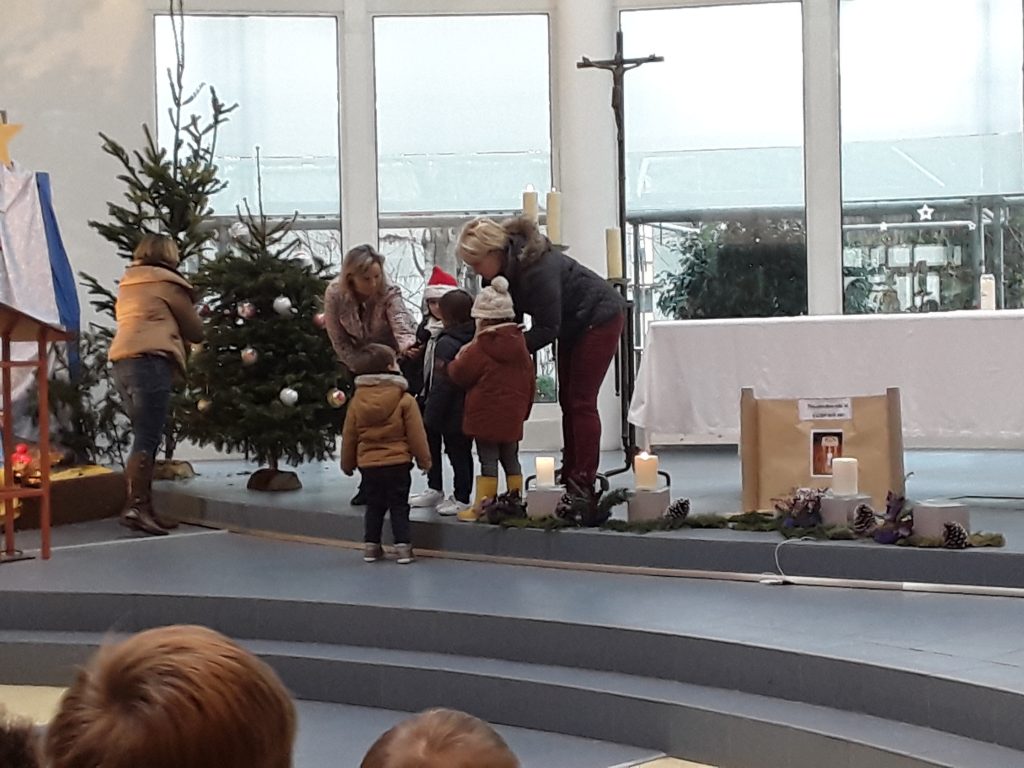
[7, 132]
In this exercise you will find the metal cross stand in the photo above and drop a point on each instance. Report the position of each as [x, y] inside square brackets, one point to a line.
[625, 369]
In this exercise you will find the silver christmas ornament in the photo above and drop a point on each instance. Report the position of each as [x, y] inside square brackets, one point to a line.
[289, 396]
[283, 305]
[249, 356]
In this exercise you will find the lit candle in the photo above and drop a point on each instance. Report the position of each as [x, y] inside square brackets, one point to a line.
[554, 213]
[988, 291]
[645, 471]
[545, 471]
[613, 247]
[530, 207]
[844, 477]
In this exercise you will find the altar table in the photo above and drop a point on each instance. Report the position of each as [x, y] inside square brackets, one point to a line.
[961, 374]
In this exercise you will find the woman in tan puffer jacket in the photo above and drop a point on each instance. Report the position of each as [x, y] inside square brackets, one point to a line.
[155, 320]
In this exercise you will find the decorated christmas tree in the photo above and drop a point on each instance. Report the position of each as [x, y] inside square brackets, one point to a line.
[265, 382]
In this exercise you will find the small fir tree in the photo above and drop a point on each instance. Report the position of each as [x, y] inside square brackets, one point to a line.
[266, 381]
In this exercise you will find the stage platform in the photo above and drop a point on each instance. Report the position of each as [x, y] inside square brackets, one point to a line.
[728, 674]
[991, 482]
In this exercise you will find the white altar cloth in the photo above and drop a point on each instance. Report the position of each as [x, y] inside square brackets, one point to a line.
[961, 374]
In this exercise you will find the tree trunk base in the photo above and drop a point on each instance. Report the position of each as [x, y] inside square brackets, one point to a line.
[173, 470]
[273, 480]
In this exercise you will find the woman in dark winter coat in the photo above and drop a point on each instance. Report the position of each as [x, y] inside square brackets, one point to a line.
[567, 303]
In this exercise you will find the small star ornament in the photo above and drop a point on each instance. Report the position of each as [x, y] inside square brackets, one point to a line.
[283, 306]
[925, 212]
[289, 396]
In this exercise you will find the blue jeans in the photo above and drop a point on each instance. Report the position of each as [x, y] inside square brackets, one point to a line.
[145, 387]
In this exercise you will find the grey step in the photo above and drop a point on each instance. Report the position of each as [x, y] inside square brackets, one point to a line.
[726, 728]
[927, 698]
[700, 550]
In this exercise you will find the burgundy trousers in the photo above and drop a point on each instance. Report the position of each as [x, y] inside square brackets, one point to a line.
[581, 371]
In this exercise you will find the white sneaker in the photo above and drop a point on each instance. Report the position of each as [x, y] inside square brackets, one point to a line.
[451, 506]
[428, 498]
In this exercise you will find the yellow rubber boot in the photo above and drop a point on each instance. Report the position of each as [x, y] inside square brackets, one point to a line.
[486, 487]
[515, 483]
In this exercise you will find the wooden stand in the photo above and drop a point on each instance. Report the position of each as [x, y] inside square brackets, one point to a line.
[16, 326]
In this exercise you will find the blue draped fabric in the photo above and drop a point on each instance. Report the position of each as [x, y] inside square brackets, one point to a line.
[64, 287]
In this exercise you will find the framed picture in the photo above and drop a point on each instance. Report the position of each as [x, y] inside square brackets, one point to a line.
[826, 445]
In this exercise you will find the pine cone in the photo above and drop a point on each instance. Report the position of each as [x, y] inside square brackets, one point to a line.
[678, 509]
[954, 536]
[864, 522]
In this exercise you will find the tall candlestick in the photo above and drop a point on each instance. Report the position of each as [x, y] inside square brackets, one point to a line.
[531, 209]
[554, 214]
[988, 291]
[613, 247]
[545, 471]
[645, 471]
[844, 477]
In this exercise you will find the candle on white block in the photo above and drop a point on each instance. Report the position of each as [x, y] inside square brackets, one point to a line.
[613, 247]
[844, 477]
[645, 471]
[554, 214]
[545, 471]
[531, 209]
[988, 291]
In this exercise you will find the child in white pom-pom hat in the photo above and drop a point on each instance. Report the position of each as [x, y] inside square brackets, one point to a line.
[496, 370]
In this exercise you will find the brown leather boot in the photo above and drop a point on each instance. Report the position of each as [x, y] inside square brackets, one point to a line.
[138, 509]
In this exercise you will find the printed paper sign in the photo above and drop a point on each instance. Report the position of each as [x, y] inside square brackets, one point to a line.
[826, 409]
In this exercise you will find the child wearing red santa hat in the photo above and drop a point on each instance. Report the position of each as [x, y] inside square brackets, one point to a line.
[419, 373]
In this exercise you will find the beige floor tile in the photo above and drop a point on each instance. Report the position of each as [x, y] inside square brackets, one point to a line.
[35, 702]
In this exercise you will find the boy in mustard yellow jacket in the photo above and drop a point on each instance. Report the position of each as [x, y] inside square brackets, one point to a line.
[383, 433]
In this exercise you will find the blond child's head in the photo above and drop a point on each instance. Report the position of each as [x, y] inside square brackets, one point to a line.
[440, 738]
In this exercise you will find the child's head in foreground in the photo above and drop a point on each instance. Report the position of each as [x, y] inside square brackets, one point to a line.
[440, 738]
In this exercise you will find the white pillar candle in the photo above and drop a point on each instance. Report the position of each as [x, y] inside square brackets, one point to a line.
[545, 471]
[554, 214]
[844, 477]
[988, 291]
[530, 207]
[645, 471]
[613, 247]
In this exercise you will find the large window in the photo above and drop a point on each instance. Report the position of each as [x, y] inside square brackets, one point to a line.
[282, 71]
[932, 152]
[463, 127]
[715, 179]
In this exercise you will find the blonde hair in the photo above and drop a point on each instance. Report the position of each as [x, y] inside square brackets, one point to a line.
[440, 738]
[173, 697]
[356, 262]
[479, 237]
[156, 250]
